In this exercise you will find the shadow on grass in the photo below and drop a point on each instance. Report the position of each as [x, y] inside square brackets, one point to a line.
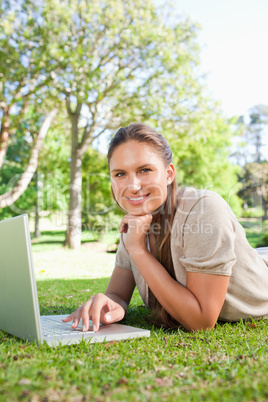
[55, 239]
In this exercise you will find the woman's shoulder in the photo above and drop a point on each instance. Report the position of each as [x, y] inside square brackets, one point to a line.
[200, 202]
[188, 197]
[195, 193]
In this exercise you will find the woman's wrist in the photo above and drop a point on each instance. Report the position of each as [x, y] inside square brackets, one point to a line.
[135, 251]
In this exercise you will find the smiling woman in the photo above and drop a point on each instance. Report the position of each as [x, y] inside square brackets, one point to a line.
[137, 184]
[184, 249]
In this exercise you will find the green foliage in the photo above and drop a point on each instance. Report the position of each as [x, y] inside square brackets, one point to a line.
[265, 240]
[254, 191]
[50, 182]
[255, 229]
[99, 212]
[54, 166]
[120, 62]
[18, 154]
[201, 147]
[25, 72]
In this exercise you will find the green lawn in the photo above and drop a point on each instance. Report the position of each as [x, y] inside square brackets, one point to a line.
[227, 364]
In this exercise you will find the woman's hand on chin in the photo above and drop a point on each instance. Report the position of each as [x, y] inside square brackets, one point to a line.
[135, 228]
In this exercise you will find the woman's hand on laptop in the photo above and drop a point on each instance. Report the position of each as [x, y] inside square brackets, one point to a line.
[100, 309]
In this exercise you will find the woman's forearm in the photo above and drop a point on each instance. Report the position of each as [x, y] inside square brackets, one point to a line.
[177, 300]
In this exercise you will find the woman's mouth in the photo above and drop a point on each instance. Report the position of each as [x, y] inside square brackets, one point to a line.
[137, 199]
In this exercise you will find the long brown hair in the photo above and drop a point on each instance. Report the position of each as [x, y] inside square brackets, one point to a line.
[165, 215]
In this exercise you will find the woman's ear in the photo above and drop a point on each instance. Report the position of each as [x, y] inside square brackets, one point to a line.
[170, 173]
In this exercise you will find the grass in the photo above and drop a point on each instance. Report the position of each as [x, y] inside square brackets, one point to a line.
[228, 363]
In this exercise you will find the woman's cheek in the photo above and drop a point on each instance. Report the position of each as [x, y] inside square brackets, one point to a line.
[115, 187]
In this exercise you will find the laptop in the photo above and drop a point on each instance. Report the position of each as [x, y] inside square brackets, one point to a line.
[19, 307]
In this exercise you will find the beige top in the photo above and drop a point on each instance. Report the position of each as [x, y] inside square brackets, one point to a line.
[207, 237]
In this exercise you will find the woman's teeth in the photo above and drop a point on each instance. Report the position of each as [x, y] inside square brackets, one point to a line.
[137, 198]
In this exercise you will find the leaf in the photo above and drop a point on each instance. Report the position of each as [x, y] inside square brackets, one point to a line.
[25, 381]
[163, 382]
[251, 325]
[122, 380]
[107, 345]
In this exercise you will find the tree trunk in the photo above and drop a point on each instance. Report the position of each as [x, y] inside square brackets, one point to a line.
[265, 208]
[4, 135]
[37, 207]
[11, 196]
[73, 234]
[36, 221]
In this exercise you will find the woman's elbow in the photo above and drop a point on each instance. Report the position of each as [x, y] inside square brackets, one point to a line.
[206, 323]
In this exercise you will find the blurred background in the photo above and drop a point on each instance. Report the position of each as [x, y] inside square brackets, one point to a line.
[72, 73]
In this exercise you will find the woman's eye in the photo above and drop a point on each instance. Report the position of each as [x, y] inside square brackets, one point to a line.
[119, 174]
[145, 170]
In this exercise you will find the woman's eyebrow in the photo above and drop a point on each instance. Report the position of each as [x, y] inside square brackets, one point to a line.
[138, 168]
[144, 166]
[117, 170]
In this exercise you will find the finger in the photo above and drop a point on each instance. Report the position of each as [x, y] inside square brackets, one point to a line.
[149, 218]
[148, 221]
[69, 318]
[100, 301]
[76, 320]
[85, 314]
[114, 315]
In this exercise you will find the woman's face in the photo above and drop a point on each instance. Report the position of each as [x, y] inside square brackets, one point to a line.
[139, 177]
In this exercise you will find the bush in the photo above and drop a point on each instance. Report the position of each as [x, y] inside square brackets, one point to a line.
[112, 248]
[265, 240]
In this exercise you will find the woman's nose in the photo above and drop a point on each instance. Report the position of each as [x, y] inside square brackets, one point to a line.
[134, 184]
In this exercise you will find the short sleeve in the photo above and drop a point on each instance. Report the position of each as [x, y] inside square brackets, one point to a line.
[122, 258]
[209, 237]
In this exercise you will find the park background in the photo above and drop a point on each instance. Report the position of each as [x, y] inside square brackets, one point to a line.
[71, 74]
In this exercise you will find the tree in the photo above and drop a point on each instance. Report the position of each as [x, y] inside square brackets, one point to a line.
[9, 197]
[22, 85]
[201, 145]
[113, 63]
[255, 133]
[123, 64]
[255, 186]
[252, 133]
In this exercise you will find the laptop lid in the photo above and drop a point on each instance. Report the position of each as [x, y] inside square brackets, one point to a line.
[19, 308]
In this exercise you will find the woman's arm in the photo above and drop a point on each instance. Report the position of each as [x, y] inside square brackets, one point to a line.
[121, 287]
[109, 307]
[197, 306]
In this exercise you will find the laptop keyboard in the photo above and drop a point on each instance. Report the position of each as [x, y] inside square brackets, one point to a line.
[52, 329]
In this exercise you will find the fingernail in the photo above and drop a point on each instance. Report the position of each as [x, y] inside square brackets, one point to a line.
[94, 328]
[108, 317]
[84, 328]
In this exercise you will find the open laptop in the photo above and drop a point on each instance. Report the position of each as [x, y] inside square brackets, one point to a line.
[19, 307]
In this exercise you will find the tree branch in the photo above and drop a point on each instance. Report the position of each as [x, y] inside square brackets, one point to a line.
[11, 196]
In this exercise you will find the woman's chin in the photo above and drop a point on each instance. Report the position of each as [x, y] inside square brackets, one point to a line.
[140, 211]
[136, 211]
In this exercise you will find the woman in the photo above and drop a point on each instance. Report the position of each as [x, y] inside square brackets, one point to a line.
[185, 250]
